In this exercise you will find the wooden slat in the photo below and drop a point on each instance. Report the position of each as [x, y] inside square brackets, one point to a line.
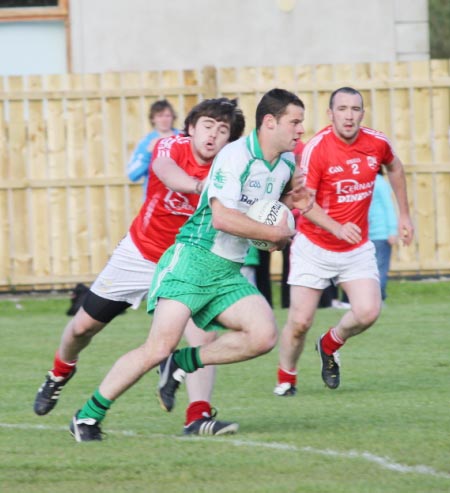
[79, 222]
[75, 124]
[37, 169]
[37, 130]
[97, 207]
[77, 206]
[57, 169]
[440, 104]
[305, 76]
[190, 78]
[118, 226]
[422, 117]
[98, 228]
[5, 250]
[425, 217]
[286, 77]
[442, 204]
[18, 206]
[135, 126]
[323, 73]
[114, 160]
[249, 101]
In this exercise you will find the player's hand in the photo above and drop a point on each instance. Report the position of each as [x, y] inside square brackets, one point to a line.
[304, 200]
[302, 197]
[392, 240]
[298, 178]
[406, 229]
[349, 232]
[284, 233]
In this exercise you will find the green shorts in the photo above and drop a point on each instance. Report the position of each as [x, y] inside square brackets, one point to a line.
[206, 283]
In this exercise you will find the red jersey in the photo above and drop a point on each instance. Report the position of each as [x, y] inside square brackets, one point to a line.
[343, 176]
[165, 211]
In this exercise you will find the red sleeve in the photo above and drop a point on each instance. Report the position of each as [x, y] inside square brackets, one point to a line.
[167, 147]
[389, 154]
[311, 166]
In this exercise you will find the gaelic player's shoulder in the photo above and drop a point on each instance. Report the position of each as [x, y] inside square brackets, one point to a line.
[379, 138]
[167, 143]
[374, 133]
[234, 148]
[180, 139]
[313, 143]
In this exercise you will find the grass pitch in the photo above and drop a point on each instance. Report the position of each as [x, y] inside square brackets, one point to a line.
[386, 429]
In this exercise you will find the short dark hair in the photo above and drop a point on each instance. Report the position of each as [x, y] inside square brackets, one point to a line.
[346, 90]
[158, 106]
[220, 109]
[275, 102]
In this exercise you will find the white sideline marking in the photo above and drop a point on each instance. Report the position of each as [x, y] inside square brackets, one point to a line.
[383, 462]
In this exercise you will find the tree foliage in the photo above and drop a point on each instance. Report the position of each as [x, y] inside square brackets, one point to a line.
[439, 14]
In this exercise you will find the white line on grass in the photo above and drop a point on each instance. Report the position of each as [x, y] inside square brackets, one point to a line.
[383, 462]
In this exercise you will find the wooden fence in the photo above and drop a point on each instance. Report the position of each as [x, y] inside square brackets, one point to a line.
[64, 140]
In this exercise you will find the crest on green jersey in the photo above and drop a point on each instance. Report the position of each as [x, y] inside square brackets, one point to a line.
[219, 179]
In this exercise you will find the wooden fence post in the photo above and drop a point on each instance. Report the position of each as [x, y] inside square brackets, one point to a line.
[210, 82]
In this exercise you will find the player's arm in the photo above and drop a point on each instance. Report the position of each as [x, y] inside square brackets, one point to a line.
[236, 223]
[174, 177]
[396, 175]
[349, 232]
[296, 194]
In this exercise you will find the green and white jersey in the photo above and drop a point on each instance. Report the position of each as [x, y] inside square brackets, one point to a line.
[239, 177]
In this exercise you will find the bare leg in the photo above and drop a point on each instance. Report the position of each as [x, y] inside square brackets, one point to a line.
[169, 321]
[77, 335]
[253, 332]
[303, 306]
[365, 300]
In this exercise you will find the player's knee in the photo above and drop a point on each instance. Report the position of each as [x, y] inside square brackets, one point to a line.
[299, 325]
[158, 351]
[264, 340]
[83, 325]
[367, 316]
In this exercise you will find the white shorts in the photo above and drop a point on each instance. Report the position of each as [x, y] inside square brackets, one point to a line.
[127, 275]
[314, 267]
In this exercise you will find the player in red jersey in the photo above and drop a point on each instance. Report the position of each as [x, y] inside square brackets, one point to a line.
[341, 163]
[179, 167]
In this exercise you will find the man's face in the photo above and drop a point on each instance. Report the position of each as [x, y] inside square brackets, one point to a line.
[346, 116]
[163, 120]
[289, 128]
[208, 137]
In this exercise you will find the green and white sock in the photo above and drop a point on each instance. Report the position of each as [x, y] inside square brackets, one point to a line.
[95, 408]
[188, 359]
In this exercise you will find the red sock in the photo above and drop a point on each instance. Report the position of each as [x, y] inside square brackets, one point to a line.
[61, 368]
[197, 410]
[287, 376]
[331, 342]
